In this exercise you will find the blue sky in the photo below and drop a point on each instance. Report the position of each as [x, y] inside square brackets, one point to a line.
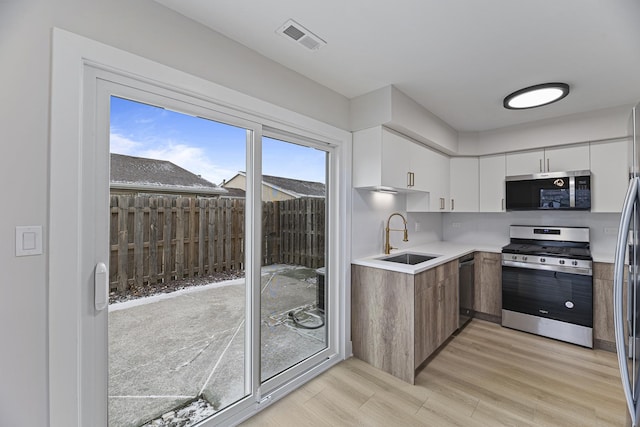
[214, 150]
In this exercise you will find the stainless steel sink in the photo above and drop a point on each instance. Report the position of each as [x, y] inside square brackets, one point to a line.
[409, 258]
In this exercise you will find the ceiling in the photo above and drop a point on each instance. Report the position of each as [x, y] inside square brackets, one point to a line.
[457, 58]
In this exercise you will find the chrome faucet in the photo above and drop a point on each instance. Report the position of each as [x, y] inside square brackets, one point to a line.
[387, 245]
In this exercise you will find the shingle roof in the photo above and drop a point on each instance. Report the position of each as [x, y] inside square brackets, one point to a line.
[301, 188]
[151, 174]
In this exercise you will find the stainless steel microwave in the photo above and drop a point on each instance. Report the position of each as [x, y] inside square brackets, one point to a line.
[549, 191]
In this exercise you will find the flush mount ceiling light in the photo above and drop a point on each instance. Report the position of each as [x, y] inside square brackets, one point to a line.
[536, 96]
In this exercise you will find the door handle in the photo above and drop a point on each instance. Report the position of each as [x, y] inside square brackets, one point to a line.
[101, 286]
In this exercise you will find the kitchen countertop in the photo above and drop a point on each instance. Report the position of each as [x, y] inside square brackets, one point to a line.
[445, 252]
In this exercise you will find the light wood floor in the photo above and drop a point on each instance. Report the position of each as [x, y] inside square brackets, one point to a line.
[486, 376]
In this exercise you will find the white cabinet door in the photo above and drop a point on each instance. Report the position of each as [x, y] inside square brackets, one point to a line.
[438, 180]
[396, 159]
[553, 159]
[492, 173]
[610, 163]
[571, 158]
[421, 164]
[380, 159]
[464, 184]
[525, 162]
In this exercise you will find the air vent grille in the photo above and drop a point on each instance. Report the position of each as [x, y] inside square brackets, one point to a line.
[301, 35]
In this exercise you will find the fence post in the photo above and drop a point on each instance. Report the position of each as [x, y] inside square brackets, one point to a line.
[138, 241]
[123, 242]
[153, 240]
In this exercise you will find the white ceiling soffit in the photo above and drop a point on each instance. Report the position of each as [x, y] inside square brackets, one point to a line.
[456, 58]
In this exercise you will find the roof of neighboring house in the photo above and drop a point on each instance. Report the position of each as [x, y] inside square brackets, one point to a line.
[234, 193]
[294, 187]
[138, 173]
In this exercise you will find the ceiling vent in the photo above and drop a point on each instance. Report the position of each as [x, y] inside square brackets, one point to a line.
[296, 32]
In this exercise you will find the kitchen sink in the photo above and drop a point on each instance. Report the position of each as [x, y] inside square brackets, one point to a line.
[409, 258]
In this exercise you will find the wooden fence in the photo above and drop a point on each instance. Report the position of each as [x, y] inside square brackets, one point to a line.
[158, 239]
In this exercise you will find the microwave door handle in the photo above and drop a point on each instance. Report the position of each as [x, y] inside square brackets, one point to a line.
[618, 281]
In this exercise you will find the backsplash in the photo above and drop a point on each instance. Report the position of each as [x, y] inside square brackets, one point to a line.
[488, 230]
[369, 215]
[492, 229]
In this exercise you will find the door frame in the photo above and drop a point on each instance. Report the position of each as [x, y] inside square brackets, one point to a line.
[67, 269]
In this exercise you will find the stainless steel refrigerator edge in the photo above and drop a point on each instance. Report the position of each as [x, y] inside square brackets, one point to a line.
[627, 319]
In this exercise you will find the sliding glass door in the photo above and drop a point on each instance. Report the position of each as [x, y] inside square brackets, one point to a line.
[177, 317]
[293, 321]
[215, 243]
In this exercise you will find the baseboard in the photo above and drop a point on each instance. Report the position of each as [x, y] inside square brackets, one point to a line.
[488, 317]
[604, 345]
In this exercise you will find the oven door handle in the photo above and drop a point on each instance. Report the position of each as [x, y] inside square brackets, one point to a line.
[618, 309]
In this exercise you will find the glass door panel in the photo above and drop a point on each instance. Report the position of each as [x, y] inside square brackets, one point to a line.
[293, 275]
[177, 325]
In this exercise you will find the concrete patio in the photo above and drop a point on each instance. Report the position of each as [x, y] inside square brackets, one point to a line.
[167, 350]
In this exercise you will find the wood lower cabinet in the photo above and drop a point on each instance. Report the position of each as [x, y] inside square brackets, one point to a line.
[604, 335]
[398, 320]
[448, 311]
[488, 286]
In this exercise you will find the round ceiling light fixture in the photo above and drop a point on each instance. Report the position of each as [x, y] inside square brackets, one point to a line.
[536, 96]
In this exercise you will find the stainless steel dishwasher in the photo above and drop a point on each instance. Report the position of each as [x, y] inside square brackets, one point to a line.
[466, 278]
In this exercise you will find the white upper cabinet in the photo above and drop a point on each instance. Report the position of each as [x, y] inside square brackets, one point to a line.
[492, 174]
[380, 159]
[383, 158]
[571, 158]
[437, 168]
[610, 164]
[553, 159]
[464, 184]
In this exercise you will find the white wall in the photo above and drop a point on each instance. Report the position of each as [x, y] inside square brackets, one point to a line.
[492, 229]
[610, 123]
[370, 212]
[142, 27]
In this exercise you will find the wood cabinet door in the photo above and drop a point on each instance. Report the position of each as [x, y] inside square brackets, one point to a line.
[488, 283]
[426, 315]
[447, 279]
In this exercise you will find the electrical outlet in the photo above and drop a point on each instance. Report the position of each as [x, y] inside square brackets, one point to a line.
[456, 224]
[417, 227]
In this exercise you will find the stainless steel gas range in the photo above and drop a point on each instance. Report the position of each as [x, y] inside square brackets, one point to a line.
[547, 283]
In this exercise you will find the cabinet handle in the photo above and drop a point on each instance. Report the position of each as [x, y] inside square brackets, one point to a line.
[502, 204]
[439, 293]
[413, 179]
[548, 167]
[408, 179]
[540, 165]
[452, 204]
[441, 203]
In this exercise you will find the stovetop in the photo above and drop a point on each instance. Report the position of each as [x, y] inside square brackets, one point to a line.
[542, 250]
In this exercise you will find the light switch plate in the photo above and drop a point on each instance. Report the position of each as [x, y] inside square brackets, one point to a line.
[29, 240]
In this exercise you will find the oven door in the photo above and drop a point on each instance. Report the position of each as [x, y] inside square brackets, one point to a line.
[566, 297]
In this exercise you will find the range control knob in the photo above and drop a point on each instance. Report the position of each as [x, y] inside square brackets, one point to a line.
[574, 262]
[543, 260]
[514, 257]
[561, 262]
[524, 258]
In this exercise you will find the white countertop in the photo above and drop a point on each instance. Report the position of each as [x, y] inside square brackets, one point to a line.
[444, 252]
